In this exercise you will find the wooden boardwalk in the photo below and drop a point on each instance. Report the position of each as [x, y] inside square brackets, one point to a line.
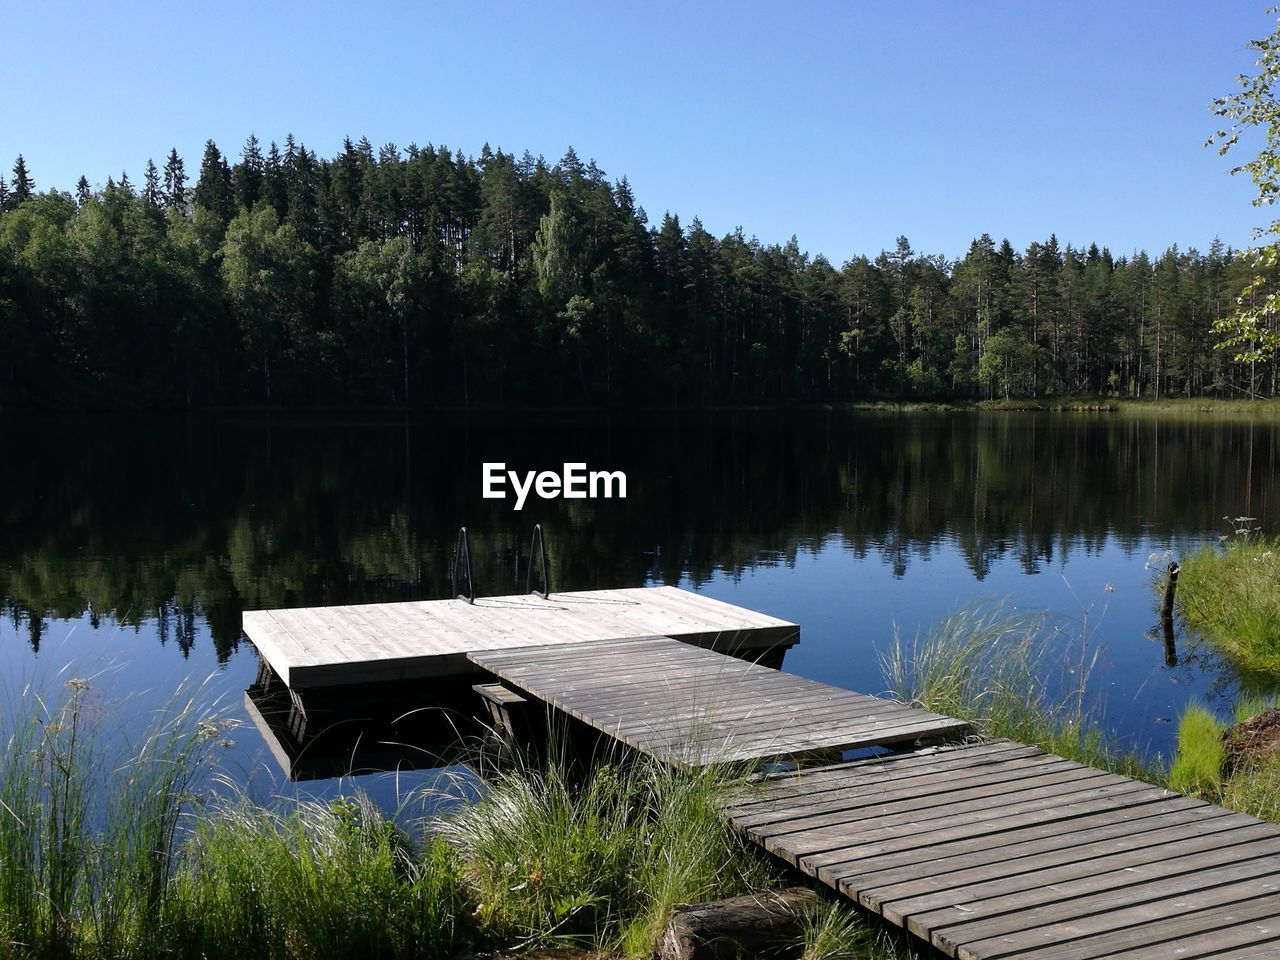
[314, 647]
[691, 706]
[1000, 850]
[987, 851]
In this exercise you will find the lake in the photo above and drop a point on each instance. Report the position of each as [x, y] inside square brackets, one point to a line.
[130, 546]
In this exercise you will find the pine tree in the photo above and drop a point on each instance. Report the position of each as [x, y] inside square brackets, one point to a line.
[213, 191]
[248, 174]
[83, 191]
[175, 181]
[151, 185]
[275, 188]
[23, 186]
[4, 194]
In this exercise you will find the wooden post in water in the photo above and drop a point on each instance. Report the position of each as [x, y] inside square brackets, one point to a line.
[1166, 614]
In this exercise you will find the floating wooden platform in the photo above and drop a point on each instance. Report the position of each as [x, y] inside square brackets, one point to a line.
[341, 645]
[692, 707]
[1001, 850]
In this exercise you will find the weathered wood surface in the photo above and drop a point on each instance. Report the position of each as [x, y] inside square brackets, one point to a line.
[327, 646]
[692, 707]
[769, 924]
[1001, 850]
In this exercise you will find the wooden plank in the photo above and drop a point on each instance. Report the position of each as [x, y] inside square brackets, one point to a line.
[954, 808]
[1167, 922]
[1081, 885]
[783, 787]
[693, 697]
[1052, 926]
[923, 874]
[1163, 937]
[829, 849]
[1243, 935]
[754, 717]
[1108, 819]
[917, 897]
[830, 733]
[921, 786]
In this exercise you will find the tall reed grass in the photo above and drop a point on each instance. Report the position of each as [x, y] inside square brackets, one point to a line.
[1231, 594]
[151, 855]
[1015, 675]
[554, 861]
[313, 880]
[108, 852]
[88, 835]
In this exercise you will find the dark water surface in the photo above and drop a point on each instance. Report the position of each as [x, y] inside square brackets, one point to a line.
[129, 547]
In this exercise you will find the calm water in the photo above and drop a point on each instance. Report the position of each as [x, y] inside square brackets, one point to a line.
[129, 548]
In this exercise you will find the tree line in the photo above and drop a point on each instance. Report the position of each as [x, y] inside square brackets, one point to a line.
[423, 277]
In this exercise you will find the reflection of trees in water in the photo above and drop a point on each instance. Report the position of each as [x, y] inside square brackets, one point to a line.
[190, 520]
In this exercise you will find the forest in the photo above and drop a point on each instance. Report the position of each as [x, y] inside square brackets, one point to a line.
[420, 277]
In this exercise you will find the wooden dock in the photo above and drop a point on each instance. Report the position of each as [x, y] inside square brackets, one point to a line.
[693, 707]
[987, 850]
[999, 850]
[315, 647]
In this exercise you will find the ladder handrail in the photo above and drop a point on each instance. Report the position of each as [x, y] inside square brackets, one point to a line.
[462, 554]
[538, 546]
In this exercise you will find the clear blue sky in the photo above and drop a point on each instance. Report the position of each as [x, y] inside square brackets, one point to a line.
[844, 123]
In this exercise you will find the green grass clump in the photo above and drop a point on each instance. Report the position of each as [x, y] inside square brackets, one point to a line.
[1255, 790]
[88, 837]
[108, 852]
[599, 864]
[314, 880]
[834, 931]
[988, 665]
[1232, 596]
[1197, 766]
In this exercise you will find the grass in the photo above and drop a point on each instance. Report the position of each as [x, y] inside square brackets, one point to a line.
[135, 857]
[88, 839]
[1227, 408]
[988, 664]
[1231, 594]
[1255, 790]
[1198, 765]
[833, 932]
[314, 880]
[599, 864]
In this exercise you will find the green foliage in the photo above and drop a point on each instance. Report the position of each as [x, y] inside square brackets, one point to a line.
[313, 880]
[1251, 332]
[424, 277]
[834, 931]
[1197, 766]
[268, 277]
[1232, 595]
[1255, 790]
[989, 665]
[89, 836]
[599, 863]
